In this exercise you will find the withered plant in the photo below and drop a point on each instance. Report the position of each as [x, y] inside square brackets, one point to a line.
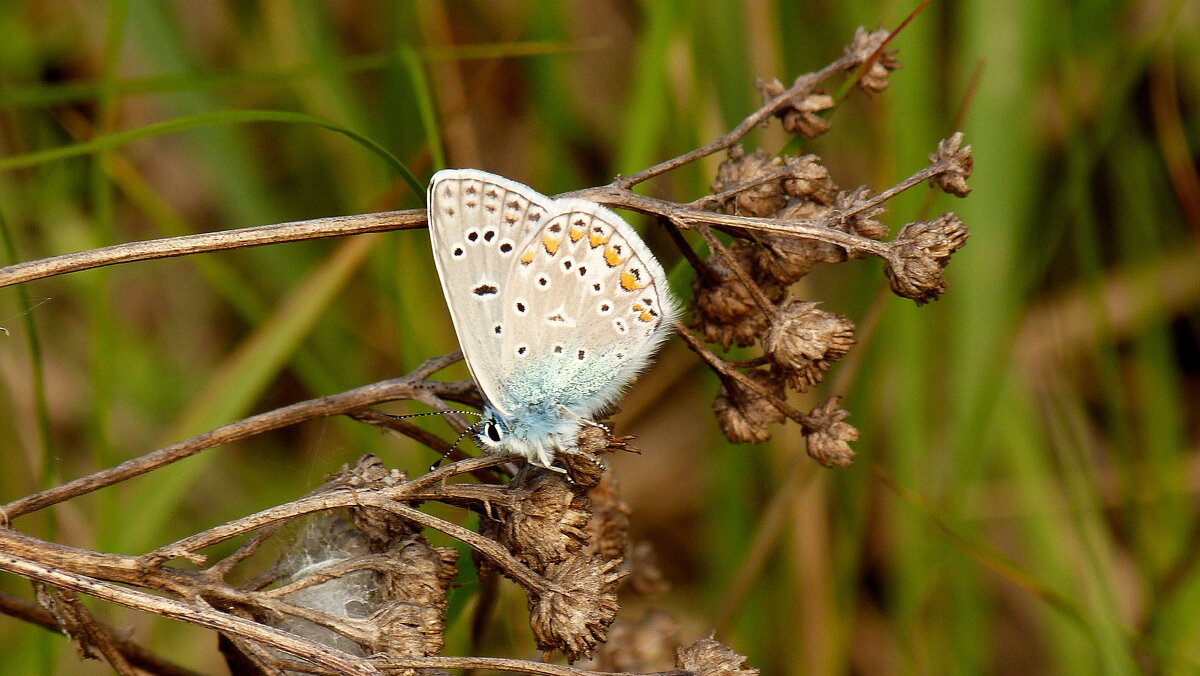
[361, 590]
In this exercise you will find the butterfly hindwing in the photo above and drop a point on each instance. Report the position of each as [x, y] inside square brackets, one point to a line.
[593, 309]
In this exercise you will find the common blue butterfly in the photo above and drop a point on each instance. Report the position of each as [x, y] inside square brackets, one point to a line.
[557, 304]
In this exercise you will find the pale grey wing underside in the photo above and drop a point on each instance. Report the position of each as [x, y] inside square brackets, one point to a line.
[477, 223]
[554, 301]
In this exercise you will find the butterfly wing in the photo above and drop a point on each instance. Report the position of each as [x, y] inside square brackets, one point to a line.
[477, 224]
[555, 302]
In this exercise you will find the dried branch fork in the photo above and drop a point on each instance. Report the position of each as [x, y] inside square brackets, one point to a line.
[562, 540]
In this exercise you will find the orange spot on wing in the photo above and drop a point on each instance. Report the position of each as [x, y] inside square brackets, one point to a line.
[576, 234]
[611, 257]
[629, 281]
[596, 239]
[646, 317]
[527, 257]
[551, 244]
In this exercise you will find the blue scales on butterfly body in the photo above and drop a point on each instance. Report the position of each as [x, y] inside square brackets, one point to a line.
[557, 304]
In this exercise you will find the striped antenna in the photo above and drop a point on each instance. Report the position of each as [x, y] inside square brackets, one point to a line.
[453, 445]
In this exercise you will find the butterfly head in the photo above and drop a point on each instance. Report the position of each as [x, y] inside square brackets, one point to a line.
[536, 434]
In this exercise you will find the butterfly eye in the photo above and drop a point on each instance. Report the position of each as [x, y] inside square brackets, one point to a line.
[492, 432]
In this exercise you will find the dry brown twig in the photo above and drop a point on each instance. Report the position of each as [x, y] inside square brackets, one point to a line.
[363, 592]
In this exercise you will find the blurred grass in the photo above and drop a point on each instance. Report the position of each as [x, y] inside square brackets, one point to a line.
[1025, 499]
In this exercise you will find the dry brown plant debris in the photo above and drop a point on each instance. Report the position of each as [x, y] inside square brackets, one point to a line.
[362, 591]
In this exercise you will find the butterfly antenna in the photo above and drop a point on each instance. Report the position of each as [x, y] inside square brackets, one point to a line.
[454, 445]
[422, 415]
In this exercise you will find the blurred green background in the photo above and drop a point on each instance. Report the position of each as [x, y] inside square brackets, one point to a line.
[1026, 493]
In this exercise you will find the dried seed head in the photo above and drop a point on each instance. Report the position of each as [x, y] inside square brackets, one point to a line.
[609, 526]
[863, 222]
[381, 527]
[644, 645]
[584, 466]
[799, 111]
[646, 577]
[548, 519]
[414, 586]
[574, 616]
[742, 413]
[959, 164]
[784, 259]
[708, 657]
[758, 173]
[860, 49]
[769, 89]
[809, 179]
[922, 251]
[828, 436]
[803, 341]
[801, 118]
[723, 310]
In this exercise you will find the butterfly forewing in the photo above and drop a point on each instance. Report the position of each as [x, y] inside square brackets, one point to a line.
[478, 222]
[555, 302]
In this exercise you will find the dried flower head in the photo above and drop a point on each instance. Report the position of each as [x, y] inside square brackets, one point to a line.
[799, 112]
[414, 586]
[380, 526]
[802, 117]
[862, 222]
[574, 616]
[784, 259]
[922, 251]
[804, 340]
[709, 657]
[609, 526]
[646, 577]
[723, 310]
[647, 644]
[809, 179]
[756, 177]
[547, 522]
[828, 435]
[959, 164]
[584, 466]
[742, 413]
[860, 49]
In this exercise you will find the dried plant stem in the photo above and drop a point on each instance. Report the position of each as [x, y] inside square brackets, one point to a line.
[316, 228]
[617, 194]
[31, 612]
[726, 371]
[375, 495]
[505, 664]
[407, 387]
[685, 216]
[387, 498]
[764, 304]
[79, 624]
[196, 612]
[802, 86]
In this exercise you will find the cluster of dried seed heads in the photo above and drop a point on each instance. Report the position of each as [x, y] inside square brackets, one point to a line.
[741, 290]
[575, 536]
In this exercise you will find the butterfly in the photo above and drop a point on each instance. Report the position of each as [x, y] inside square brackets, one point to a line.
[557, 303]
